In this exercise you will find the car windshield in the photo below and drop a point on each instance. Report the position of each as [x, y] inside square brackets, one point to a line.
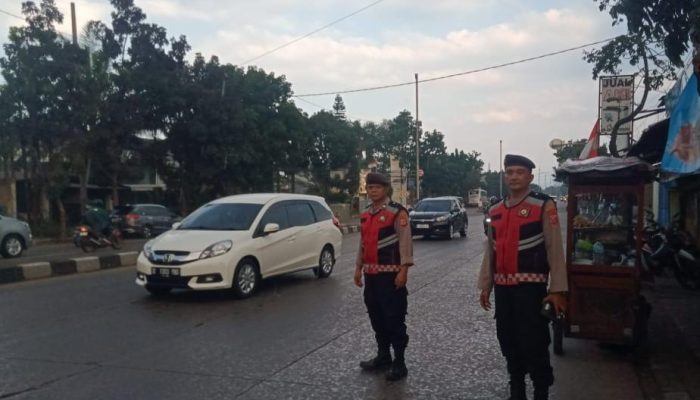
[434, 206]
[222, 217]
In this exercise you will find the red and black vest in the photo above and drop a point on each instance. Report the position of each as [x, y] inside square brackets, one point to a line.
[380, 241]
[518, 241]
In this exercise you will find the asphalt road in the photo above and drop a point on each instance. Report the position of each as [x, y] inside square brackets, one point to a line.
[99, 336]
[64, 251]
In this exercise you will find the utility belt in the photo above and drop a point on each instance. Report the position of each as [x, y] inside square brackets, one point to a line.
[374, 269]
[520, 277]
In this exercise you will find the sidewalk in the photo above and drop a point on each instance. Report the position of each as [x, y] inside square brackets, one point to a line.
[668, 365]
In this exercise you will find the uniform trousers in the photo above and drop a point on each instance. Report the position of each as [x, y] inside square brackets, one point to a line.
[386, 306]
[523, 333]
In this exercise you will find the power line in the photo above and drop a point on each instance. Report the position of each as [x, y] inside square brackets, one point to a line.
[11, 14]
[474, 71]
[311, 33]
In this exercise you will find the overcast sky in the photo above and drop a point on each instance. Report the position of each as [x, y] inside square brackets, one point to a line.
[525, 105]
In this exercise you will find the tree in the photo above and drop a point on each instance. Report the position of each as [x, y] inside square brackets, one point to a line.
[572, 150]
[492, 183]
[660, 33]
[339, 107]
[37, 68]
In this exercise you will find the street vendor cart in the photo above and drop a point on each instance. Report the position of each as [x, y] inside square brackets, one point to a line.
[603, 242]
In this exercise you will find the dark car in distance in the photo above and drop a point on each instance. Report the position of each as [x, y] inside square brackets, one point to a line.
[439, 216]
[145, 220]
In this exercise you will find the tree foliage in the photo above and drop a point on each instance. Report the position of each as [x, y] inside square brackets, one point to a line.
[129, 97]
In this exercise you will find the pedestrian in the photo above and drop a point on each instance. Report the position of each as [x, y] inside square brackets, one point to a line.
[523, 252]
[385, 254]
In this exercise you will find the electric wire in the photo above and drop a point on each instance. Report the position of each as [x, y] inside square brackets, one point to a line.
[328, 25]
[11, 14]
[474, 71]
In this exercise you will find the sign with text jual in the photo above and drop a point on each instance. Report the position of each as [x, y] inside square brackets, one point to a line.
[616, 102]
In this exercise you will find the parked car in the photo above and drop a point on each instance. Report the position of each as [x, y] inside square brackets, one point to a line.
[145, 220]
[439, 216]
[15, 237]
[236, 241]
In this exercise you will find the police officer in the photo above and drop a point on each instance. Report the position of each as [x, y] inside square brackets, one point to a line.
[523, 252]
[386, 252]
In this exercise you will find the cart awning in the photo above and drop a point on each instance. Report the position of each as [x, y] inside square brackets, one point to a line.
[606, 170]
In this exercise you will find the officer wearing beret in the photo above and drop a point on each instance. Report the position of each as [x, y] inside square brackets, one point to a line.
[523, 253]
[385, 254]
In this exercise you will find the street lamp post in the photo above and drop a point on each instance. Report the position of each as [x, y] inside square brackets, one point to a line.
[417, 145]
[500, 169]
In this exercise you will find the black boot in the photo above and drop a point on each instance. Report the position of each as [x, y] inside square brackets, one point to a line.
[381, 361]
[517, 389]
[541, 392]
[398, 367]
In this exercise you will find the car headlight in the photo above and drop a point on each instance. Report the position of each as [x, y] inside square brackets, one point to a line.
[487, 220]
[148, 250]
[216, 249]
[441, 218]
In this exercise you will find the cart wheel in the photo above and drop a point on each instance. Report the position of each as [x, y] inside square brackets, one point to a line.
[558, 338]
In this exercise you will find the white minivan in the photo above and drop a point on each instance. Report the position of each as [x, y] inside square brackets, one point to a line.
[236, 241]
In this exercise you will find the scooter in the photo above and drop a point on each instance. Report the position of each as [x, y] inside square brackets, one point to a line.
[686, 258]
[90, 242]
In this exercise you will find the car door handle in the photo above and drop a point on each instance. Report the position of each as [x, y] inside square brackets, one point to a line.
[292, 239]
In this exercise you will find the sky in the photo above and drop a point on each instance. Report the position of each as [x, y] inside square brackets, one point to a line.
[525, 106]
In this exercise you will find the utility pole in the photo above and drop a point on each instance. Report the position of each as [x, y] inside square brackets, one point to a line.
[417, 145]
[74, 23]
[500, 169]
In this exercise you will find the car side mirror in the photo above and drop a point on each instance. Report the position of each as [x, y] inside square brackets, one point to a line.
[176, 225]
[271, 228]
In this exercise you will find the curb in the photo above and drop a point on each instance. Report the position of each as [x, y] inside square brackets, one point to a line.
[41, 270]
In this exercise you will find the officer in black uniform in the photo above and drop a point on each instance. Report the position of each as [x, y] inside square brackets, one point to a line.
[523, 253]
[383, 259]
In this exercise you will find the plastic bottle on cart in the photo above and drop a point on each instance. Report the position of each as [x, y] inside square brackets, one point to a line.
[598, 253]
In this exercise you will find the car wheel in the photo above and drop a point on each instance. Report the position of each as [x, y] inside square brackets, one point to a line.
[147, 231]
[450, 232]
[11, 246]
[245, 279]
[158, 290]
[326, 261]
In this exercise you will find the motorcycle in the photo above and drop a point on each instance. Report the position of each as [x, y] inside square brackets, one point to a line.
[671, 248]
[686, 258]
[90, 242]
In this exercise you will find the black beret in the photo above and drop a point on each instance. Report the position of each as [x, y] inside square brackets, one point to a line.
[375, 178]
[514, 159]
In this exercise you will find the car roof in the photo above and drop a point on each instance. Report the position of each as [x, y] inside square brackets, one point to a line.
[264, 198]
[441, 198]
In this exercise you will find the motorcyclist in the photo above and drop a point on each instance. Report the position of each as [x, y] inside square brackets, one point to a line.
[97, 218]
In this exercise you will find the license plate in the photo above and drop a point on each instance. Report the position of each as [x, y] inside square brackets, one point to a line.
[83, 233]
[167, 272]
[422, 226]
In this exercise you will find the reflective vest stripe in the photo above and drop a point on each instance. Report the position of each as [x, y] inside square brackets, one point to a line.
[514, 279]
[372, 269]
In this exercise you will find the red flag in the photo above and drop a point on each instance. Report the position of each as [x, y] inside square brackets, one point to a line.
[591, 148]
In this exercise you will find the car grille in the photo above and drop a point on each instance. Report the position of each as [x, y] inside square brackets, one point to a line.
[170, 257]
[174, 252]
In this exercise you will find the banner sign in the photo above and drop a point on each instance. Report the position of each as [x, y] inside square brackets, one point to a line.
[682, 154]
[616, 102]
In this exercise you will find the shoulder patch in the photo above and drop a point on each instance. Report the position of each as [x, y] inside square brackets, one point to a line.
[403, 219]
[553, 216]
